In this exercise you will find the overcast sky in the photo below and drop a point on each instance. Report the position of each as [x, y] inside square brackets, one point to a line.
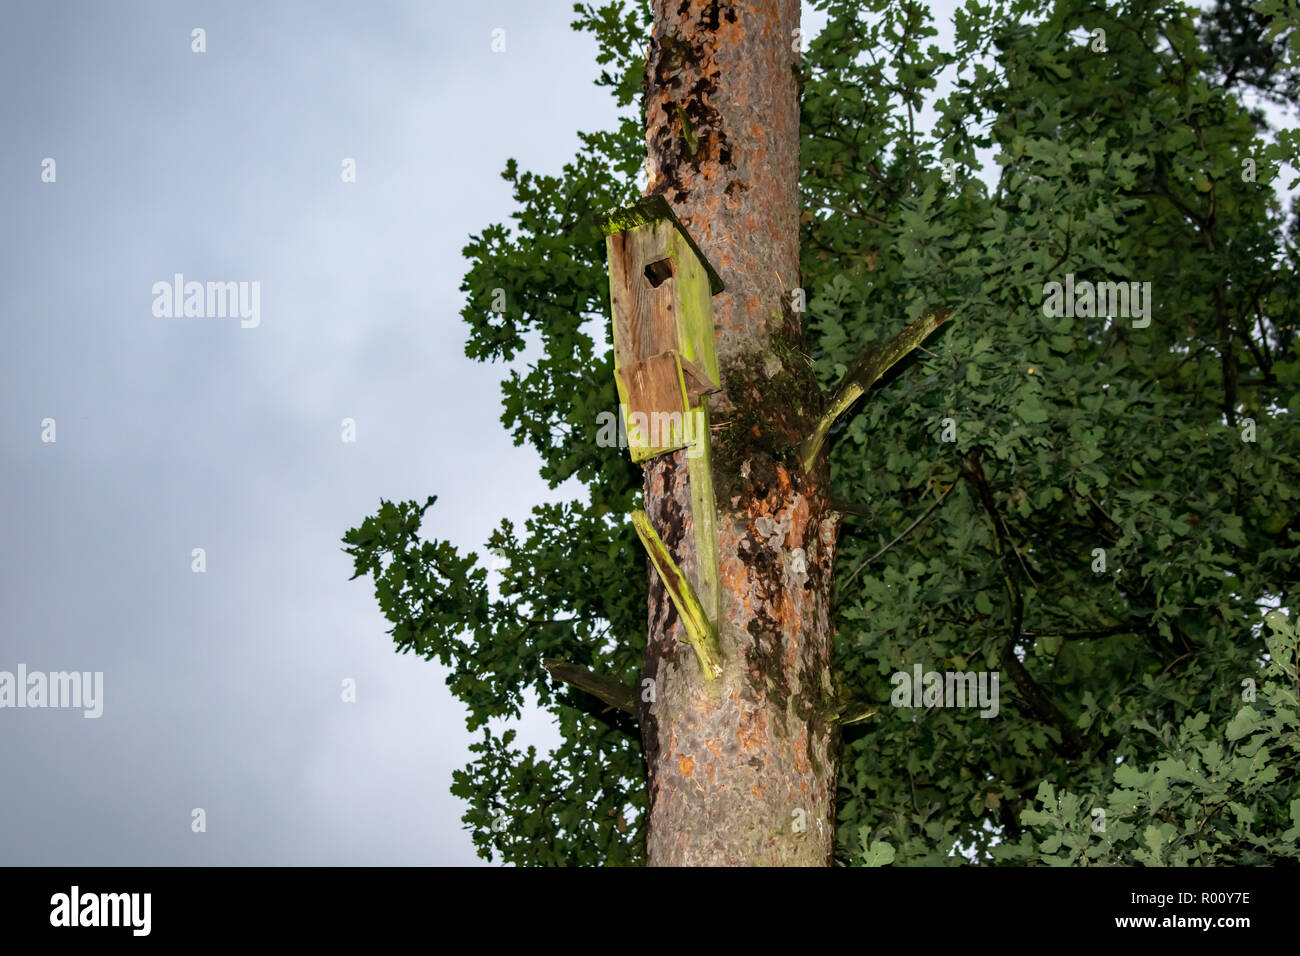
[222, 690]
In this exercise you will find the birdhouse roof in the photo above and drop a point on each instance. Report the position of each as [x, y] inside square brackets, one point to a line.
[644, 212]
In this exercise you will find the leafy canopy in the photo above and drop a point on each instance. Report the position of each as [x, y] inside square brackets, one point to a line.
[1118, 510]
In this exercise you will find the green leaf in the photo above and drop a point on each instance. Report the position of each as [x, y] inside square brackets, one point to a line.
[1245, 721]
[878, 854]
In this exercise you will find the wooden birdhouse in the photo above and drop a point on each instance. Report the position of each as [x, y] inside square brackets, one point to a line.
[661, 292]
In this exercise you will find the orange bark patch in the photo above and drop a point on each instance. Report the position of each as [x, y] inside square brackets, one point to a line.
[752, 732]
[801, 763]
[799, 516]
[687, 765]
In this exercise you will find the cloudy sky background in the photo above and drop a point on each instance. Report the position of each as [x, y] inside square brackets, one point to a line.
[222, 689]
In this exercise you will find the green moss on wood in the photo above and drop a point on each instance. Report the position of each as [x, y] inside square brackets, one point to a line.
[650, 210]
[700, 631]
[768, 418]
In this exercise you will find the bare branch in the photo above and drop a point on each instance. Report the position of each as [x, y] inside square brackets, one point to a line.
[1072, 743]
[609, 689]
[902, 534]
[849, 508]
[1088, 634]
[865, 372]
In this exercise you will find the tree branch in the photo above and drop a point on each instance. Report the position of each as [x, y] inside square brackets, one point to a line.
[855, 712]
[865, 372]
[1087, 634]
[902, 534]
[609, 689]
[849, 508]
[1072, 743]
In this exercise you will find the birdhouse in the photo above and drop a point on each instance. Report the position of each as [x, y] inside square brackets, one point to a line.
[661, 293]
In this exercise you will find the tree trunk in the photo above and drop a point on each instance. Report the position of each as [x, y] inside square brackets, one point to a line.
[742, 768]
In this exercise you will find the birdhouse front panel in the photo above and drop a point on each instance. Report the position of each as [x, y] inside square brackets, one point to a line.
[661, 297]
[643, 291]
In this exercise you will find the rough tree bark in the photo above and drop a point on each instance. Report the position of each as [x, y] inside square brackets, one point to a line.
[742, 769]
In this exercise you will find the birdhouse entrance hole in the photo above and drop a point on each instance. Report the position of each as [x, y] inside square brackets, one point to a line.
[657, 272]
